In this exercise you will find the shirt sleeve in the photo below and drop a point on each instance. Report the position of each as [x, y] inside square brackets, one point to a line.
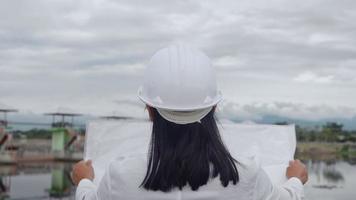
[87, 190]
[292, 189]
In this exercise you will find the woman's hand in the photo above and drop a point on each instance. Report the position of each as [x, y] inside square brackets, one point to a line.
[82, 170]
[297, 169]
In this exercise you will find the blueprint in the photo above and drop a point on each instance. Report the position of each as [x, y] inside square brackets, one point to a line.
[274, 145]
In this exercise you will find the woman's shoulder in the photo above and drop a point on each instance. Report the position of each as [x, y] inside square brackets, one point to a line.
[129, 163]
[248, 168]
[130, 167]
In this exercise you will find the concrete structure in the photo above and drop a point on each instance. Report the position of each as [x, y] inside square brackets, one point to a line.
[63, 138]
[63, 135]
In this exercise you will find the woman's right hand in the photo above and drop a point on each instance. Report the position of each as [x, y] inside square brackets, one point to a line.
[82, 170]
[297, 169]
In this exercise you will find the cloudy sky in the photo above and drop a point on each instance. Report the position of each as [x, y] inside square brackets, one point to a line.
[287, 58]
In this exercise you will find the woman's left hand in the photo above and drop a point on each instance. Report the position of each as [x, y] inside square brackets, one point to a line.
[82, 170]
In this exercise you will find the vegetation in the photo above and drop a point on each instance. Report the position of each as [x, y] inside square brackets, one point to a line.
[33, 133]
[330, 132]
[326, 142]
[36, 133]
[322, 141]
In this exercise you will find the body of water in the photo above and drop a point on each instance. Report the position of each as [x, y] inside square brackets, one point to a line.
[328, 180]
[36, 181]
[331, 180]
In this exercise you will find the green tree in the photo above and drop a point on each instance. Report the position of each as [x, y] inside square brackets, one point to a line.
[331, 130]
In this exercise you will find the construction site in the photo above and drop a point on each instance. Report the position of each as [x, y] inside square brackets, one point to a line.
[26, 157]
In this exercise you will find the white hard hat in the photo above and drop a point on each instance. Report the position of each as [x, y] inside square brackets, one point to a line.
[180, 78]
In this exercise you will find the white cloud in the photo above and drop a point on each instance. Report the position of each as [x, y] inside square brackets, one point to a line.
[86, 54]
[258, 110]
[309, 76]
[5, 107]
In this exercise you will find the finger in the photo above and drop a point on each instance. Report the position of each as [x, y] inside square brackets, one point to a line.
[75, 166]
[80, 163]
[72, 176]
[88, 162]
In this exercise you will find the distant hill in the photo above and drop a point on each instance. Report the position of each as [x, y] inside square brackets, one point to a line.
[29, 120]
[349, 124]
[42, 121]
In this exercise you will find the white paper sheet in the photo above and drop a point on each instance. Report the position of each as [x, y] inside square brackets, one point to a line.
[273, 144]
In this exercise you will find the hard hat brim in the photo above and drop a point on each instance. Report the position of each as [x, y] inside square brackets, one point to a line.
[184, 117]
[214, 101]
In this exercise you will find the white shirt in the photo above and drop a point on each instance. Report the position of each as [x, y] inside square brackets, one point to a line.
[124, 176]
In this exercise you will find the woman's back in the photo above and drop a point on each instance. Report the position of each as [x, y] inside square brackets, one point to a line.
[124, 176]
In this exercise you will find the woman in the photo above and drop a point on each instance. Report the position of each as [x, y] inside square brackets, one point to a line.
[187, 158]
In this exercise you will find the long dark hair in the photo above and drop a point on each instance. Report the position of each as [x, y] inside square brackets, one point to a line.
[187, 154]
